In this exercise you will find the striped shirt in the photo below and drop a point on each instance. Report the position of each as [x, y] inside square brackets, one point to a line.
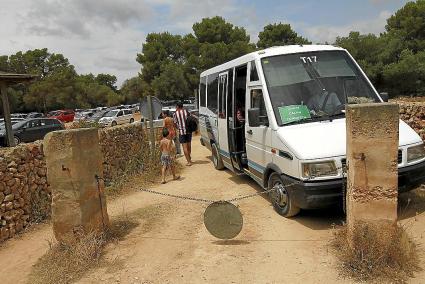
[179, 118]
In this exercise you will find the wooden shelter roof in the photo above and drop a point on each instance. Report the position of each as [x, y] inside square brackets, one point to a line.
[12, 78]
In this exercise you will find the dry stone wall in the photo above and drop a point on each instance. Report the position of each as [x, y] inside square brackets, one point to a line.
[413, 113]
[24, 193]
[121, 146]
[25, 196]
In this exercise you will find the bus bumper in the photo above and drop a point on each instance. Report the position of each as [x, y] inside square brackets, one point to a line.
[321, 194]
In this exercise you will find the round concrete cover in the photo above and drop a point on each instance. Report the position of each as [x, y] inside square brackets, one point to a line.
[223, 220]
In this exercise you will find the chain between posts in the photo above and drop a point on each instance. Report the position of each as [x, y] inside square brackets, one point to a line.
[238, 198]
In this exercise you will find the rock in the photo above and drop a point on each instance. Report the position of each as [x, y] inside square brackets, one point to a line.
[9, 206]
[10, 182]
[1, 197]
[41, 172]
[4, 233]
[9, 197]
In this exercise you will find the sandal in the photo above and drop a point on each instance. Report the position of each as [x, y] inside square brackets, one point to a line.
[164, 182]
[177, 178]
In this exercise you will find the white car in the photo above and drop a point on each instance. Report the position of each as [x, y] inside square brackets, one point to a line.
[117, 116]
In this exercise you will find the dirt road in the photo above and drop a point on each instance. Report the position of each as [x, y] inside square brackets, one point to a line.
[172, 245]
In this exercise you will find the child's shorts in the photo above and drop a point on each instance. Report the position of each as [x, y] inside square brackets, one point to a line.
[165, 160]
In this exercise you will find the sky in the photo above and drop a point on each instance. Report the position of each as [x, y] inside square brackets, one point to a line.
[104, 36]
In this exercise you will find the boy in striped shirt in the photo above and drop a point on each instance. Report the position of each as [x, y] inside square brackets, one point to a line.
[185, 138]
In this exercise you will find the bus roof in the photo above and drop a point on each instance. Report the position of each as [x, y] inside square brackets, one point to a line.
[271, 51]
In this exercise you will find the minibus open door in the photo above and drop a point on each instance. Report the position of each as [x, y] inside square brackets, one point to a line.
[236, 129]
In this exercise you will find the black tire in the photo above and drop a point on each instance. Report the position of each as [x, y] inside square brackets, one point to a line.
[114, 123]
[281, 199]
[16, 140]
[217, 161]
[131, 120]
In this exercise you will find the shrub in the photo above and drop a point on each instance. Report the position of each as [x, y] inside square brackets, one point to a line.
[376, 251]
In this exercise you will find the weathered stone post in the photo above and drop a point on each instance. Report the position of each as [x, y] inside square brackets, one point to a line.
[372, 145]
[73, 159]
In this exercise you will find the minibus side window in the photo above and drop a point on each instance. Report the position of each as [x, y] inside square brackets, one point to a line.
[202, 92]
[230, 94]
[253, 72]
[257, 101]
[212, 92]
[222, 96]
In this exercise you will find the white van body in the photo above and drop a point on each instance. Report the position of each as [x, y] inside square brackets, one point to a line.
[258, 116]
[117, 116]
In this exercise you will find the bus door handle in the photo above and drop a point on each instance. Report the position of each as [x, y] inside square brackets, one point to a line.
[249, 132]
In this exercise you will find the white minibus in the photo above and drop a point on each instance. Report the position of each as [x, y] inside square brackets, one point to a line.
[278, 115]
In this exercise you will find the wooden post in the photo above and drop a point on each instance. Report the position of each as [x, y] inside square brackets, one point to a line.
[6, 111]
[152, 130]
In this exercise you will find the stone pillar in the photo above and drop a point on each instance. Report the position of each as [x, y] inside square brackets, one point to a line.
[372, 145]
[73, 158]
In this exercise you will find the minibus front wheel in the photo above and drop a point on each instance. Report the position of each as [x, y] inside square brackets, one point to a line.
[281, 198]
[218, 162]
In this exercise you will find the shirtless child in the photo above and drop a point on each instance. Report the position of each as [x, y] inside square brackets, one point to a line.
[168, 150]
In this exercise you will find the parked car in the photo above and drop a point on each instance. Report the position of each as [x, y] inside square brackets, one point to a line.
[84, 115]
[30, 130]
[14, 121]
[18, 115]
[34, 115]
[117, 116]
[63, 115]
[98, 115]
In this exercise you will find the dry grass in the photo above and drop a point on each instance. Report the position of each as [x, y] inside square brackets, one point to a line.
[142, 172]
[381, 253]
[68, 264]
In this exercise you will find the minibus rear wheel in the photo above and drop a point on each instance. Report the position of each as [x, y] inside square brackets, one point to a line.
[218, 162]
[281, 198]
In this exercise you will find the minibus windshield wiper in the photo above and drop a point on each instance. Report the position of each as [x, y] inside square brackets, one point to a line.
[337, 114]
[297, 121]
[314, 118]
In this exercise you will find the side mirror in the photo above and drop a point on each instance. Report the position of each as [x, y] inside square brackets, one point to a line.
[254, 117]
[384, 96]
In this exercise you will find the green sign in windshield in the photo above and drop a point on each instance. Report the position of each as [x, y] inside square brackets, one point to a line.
[293, 113]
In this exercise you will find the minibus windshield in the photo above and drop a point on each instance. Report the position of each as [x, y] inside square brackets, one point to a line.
[306, 87]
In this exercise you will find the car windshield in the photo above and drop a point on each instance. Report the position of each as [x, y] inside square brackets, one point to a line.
[308, 86]
[111, 113]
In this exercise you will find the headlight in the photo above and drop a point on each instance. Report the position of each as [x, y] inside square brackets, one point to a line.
[415, 153]
[319, 169]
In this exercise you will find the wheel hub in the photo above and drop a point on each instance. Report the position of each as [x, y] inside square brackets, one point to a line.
[279, 195]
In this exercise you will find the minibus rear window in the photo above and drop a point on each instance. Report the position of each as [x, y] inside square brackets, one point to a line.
[203, 92]
[212, 92]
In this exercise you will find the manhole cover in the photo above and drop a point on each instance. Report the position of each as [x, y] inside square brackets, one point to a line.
[223, 220]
